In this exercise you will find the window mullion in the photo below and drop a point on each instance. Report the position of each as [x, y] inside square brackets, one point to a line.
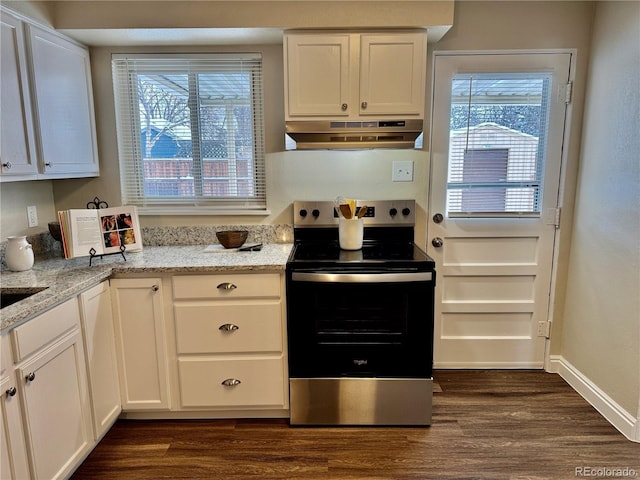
[196, 145]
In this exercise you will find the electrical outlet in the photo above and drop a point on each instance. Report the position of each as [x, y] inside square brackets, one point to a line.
[32, 216]
[402, 171]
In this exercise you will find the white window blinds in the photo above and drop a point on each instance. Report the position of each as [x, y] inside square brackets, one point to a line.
[190, 130]
[497, 142]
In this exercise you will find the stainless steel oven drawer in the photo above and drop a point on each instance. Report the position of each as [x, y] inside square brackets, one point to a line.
[360, 401]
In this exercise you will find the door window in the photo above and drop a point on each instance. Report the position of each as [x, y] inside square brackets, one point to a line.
[498, 128]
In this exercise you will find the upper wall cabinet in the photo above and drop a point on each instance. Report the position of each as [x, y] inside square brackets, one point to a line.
[351, 76]
[17, 146]
[50, 110]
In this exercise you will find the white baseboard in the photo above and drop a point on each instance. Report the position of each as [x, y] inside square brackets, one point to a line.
[626, 423]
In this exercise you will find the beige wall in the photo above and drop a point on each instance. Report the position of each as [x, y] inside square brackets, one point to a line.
[14, 200]
[601, 317]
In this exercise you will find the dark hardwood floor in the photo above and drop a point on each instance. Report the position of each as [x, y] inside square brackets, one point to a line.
[492, 424]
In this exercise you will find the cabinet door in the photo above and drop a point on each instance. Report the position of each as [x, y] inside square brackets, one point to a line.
[392, 74]
[13, 453]
[141, 343]
[63, 98]
[17, 145]
[56, 407]
[318, 75]
[100, 350]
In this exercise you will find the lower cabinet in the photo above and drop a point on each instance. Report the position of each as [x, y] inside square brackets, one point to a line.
[141, 343]
[230, 339]
[13, 452]
[100, 349]
[53, 391]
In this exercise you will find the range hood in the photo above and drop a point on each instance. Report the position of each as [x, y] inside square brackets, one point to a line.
[330, 134]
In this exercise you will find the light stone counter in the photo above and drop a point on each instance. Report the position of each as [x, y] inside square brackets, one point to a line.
[62, 279]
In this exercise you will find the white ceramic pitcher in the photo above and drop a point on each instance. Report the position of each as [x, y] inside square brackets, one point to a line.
[19, 254]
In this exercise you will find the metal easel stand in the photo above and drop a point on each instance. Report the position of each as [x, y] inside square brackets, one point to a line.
[92, 254]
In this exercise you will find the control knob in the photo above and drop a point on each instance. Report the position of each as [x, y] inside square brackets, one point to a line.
[406, 211]
[393, 212]
[315, 212]
[303, 212]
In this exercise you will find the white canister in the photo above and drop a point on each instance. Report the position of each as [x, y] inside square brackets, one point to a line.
[18, 255]
[350, 233]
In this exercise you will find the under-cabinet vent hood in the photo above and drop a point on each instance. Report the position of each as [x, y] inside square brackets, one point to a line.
[310, 135]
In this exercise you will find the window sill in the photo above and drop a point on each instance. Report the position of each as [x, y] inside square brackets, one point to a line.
[202, 211]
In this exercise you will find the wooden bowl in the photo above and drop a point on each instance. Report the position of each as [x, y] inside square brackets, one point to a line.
[232, 238]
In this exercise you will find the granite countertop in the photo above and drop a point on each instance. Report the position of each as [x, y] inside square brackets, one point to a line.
[62, 279]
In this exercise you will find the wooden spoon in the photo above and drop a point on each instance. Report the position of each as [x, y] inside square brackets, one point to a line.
[362, 211]
[345, 209]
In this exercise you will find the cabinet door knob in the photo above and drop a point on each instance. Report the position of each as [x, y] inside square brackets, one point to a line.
[364, 105]
[228, 327]
[30, 377]
[231, 382]
[344, 107]
[7, 165]
[48, 164]
[226, 286]
[11, 392]
[155, 288]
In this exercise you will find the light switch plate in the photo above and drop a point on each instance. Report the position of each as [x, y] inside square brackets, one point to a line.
[402, 171]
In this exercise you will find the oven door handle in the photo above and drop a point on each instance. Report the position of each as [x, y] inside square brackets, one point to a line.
[361, 277]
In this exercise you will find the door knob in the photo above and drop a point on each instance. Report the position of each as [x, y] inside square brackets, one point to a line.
[437, 218]
[437, 242]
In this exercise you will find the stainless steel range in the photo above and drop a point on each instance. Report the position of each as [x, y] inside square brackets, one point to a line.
[360, 322]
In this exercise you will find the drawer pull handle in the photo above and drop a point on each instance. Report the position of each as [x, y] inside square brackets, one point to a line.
[228, 327]
[11, 392]
[30, 377]
[231, 382]
[227, 286]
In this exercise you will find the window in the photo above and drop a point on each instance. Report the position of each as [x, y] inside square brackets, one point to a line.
[498, 127]
[190, 132]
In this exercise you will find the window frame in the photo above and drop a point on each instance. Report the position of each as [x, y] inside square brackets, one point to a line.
[125, 68]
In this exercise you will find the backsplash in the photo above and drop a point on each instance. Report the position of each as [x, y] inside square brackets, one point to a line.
[206, 234]
[45, 246]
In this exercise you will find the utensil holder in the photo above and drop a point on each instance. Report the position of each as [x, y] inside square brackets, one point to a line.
[350, 233]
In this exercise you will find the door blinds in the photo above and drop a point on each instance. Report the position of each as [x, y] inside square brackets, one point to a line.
[497, 142]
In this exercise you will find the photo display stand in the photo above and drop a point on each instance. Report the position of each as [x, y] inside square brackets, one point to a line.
[93, 254]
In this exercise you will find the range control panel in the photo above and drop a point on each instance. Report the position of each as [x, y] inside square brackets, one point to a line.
[379, 213]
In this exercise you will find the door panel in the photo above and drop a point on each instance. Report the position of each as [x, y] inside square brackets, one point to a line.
[495, 260]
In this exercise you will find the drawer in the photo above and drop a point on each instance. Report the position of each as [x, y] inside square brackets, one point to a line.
[43, 329]
[255, 327]
[237, 286]
[261, 382]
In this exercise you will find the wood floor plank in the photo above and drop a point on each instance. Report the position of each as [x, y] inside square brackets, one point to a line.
[487, 425]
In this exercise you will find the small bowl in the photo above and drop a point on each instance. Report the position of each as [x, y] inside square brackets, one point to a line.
[232, 238]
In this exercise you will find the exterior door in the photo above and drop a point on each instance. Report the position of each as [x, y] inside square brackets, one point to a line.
[496, 152]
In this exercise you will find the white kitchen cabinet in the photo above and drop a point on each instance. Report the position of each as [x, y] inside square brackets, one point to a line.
[141, 343]
[63, 100]
[17, 140]
[100, 350]
[13, 452]
[53, 391]
[354, 76]
[230, 338]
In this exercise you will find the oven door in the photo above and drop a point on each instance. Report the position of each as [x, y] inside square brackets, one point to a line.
[360, 323]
